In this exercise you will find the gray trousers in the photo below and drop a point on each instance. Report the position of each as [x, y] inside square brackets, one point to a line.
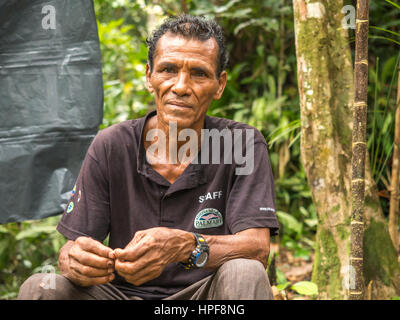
[236, 279]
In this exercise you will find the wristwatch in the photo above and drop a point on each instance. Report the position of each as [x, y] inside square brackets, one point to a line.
[199, 255]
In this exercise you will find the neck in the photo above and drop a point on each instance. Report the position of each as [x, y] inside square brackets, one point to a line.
[175, 150]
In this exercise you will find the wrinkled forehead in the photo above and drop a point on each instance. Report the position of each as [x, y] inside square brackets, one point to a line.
[179, 47]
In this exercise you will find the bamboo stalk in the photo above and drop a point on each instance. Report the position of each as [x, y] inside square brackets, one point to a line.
[394, 185]
[281, 53]
[183, 6]
[359, 149]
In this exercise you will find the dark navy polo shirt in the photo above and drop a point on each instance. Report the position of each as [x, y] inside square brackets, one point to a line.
[118, 193]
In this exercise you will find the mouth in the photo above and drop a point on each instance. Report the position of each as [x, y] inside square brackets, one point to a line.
[179, 104]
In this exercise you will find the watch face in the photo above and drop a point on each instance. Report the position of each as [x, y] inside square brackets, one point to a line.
[201, 259]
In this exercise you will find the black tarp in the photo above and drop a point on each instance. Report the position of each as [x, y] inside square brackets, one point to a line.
[51, 102]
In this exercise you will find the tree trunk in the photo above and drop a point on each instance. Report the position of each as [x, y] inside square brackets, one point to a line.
[326, 88]
[394, 184]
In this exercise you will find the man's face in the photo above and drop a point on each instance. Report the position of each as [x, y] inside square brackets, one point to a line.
[184, 79]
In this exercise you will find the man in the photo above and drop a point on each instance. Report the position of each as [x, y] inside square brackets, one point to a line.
[179, 228]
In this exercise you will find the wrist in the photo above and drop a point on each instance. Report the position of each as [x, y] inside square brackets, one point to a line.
[187, 245]
[199, 256]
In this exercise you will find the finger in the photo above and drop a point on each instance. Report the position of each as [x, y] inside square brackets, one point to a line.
[125, 266]
[89, 271]
[111, 255]
[94, 246]
[91, 281]
[92, 260]
[127, 254]
[135, 259]
[131, 278]
[141, 276]
[138, 269]
[132, 252]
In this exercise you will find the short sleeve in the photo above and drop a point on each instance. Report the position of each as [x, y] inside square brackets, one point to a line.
[251, 201]
[88, 210]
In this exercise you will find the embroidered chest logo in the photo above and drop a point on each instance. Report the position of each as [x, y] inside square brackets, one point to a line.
[208, 218]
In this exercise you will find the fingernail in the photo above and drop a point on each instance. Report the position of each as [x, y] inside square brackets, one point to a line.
[116, 252]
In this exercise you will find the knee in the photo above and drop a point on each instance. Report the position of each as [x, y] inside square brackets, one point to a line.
[43, 286]
[243, 270]
[243, 279]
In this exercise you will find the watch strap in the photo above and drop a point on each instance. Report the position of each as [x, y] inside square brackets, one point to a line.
[201, 246]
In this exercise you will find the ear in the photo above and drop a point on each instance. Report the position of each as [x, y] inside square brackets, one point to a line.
[148, 76]
[221, 85]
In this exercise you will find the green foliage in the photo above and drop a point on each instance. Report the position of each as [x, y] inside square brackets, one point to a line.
[381, 116]
[302, 288]
[306, 288]
[25, 248]
[124, 58]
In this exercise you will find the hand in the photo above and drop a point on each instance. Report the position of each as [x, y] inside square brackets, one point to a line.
[150, 251]
[89, 262]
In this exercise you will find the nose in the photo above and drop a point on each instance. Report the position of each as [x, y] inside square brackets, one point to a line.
[181, 86]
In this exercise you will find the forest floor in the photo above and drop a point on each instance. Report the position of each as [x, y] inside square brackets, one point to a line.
[295, 269]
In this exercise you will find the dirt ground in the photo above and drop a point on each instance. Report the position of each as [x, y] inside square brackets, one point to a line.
[295, 270]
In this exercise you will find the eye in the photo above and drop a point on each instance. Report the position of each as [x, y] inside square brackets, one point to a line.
[199, 73]
[169, 70]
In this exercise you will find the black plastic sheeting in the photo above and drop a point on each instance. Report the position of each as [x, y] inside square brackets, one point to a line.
[51, 102]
